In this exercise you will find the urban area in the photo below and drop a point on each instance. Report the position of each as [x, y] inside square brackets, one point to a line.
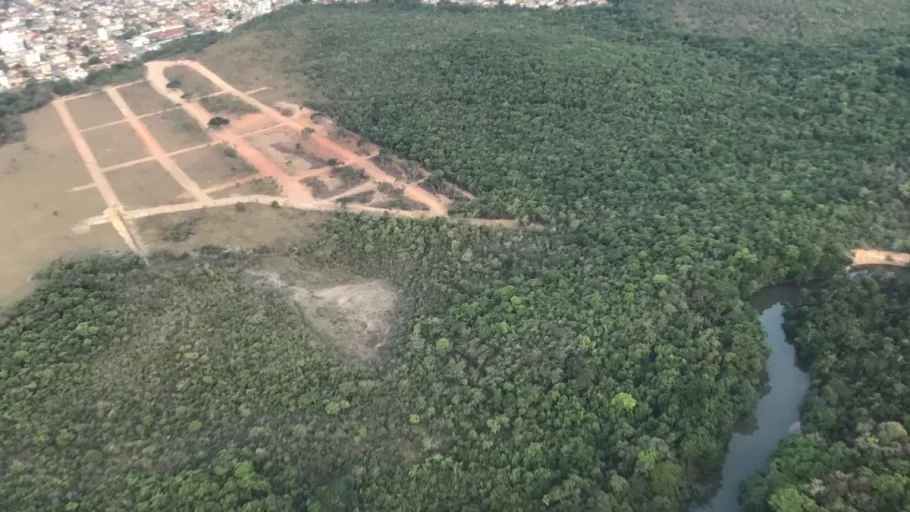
[56, 39]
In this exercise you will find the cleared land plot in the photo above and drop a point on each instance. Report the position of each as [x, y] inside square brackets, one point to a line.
[145, 185]
[288, 149]
[190, 82]
[213, 165]
[273, 96]
[37, 209]
[350, 312]
[227, 105]
[264, 186]
[254, 226]
[252, 123]
[93, 110]
[143, 99]
[175, 130]
[115, 144]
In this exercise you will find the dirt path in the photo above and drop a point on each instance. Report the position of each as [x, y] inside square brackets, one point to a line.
[155, 149]
[85, 153]
[875, 257]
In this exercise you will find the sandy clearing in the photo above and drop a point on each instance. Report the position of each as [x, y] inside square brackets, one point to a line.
[863, 257]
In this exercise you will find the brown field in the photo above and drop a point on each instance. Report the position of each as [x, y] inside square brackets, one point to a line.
[143, 99]
[257, 225]
[37, 208]
[93, 110]
[191, 82]
[143, 185]
[211, 166]
[175, 130]
[115, 144]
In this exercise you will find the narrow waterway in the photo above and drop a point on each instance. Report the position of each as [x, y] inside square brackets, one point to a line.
[777, 411]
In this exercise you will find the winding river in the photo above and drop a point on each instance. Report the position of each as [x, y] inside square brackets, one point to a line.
[752, 444]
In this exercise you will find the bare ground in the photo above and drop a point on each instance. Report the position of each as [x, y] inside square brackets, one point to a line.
[350, 312]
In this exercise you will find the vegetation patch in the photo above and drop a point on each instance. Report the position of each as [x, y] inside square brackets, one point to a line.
[227, 104]
[189, 81]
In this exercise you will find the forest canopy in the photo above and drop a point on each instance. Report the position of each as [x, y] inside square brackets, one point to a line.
[596, 362]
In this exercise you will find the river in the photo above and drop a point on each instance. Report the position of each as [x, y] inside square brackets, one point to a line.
[752, 444]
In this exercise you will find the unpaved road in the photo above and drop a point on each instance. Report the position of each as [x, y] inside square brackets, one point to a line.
[875, 257]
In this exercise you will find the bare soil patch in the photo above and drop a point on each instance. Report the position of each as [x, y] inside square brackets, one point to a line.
[287, 149]
[37, 209]
[143, 99]
[213, 165]
[350, 312]
[145, 185]
[190, 82]
[876, 257]
[93, 110]
[115, 144]
[175, 130]
[251, 123]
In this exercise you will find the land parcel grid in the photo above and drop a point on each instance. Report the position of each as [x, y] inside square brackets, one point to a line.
[143, 99]
[93, 110]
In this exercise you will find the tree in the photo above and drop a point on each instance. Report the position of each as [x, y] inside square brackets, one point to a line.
[218, 122]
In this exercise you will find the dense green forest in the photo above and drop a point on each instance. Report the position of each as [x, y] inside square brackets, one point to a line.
[597, 362]
[854, 452]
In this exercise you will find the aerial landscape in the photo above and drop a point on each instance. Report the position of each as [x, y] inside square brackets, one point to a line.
[623, 256]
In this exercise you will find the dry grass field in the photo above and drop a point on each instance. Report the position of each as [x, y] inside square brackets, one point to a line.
[191, 82]
[37, 207]
[143, 99]
[212, 165]
[94, 110]
[255, 226]
[115, 144]
[175, 130]
[145, 185]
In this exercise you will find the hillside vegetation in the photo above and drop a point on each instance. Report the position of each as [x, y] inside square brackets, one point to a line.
[854, 453]
[596, 362]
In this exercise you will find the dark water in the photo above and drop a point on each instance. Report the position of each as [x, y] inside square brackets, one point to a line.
[777, 411]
